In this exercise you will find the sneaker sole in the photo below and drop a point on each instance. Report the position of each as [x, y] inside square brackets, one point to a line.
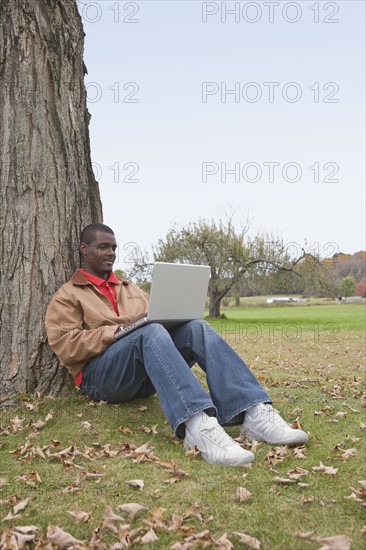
[248, 459]
[300, 440]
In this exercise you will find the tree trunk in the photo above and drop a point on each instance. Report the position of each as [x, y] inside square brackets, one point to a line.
[47, 187]
[214, 305]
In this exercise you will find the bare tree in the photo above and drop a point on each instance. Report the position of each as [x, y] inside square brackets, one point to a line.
[48, 190]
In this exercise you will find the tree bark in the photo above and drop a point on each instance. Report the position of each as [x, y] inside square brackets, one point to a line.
[47, 187]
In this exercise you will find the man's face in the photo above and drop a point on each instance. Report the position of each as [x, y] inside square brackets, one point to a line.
[99, 256]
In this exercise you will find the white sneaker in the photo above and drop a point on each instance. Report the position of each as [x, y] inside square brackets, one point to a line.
[263, 423]
[216, 445]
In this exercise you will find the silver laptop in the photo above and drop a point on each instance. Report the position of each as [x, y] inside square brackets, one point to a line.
[178, 294]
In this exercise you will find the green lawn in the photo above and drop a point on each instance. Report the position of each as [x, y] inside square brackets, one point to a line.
[314, 373]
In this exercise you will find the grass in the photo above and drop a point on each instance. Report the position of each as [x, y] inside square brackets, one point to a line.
[312, 375]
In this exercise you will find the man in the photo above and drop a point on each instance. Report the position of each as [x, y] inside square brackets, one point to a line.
[83, 319]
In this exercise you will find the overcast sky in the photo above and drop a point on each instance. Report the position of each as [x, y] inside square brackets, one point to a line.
[203, 107]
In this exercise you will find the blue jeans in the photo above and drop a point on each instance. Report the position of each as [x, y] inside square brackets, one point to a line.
[152, 360]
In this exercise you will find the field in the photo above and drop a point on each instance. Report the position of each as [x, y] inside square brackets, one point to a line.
[71, 468]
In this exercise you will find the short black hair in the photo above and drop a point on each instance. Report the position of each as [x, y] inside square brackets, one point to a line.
[87, 235]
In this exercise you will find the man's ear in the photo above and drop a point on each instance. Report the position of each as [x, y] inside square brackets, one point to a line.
[83, 249]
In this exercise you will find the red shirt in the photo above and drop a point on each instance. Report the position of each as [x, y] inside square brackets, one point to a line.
[107, 288]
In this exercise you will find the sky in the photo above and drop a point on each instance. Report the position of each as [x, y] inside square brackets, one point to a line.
[256, 109]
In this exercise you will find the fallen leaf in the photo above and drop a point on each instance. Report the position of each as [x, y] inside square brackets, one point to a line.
[78, 514]
[325, 469]
[307, 500]
[10, 516]
[139, 483]
[296, 424]
[350, 408]
[125, 430]
[109, 518]
[283, 480]
[172, 480]
[21, 505]
[223, 543]
[348, 453]
[248, 540]
[30, 478]
[341, 414]
[297, 473]
[61, 538]
[299, 452]
[132, 508]
[147, 430]
[150, 536]
[194, 511]
[242, 494]
[338, 542]
[308, 535]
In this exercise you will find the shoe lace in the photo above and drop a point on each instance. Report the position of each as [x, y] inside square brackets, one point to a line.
[274, 415]
[217, 435]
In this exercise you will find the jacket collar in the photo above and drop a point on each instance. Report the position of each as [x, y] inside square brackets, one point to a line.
[79, 279]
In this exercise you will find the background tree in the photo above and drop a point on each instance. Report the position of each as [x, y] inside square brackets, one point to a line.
[347, 286]
[48, 190]
[231, 255]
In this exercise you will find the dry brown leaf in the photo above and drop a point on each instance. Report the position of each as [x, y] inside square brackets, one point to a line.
[307, 500]
[125, 430]
[299, 452]
[147, 430]
[194, 511]
[139, 483]
[16, 424]
[30, 478]
[303, 485]
[341, 414]
[171, 480]
[308, 535]
[325, 469]
[10, 516]
[78, 514]
[61, 538]
[86, 425]
[283, 480]
[242, 494]
[109, 518]
[150, 536]
[296, 424]
[248, 540]
[338, 542]
[223, 543]
[297, 473]
[23, 540]
[276, 454]
[347, 453]
[132, 508]
[21, 505]
[350, 408]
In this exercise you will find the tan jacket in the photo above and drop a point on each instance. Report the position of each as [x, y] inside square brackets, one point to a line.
[81, 322]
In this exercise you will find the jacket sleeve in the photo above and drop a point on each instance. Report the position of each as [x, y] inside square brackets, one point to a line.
[67, 337]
